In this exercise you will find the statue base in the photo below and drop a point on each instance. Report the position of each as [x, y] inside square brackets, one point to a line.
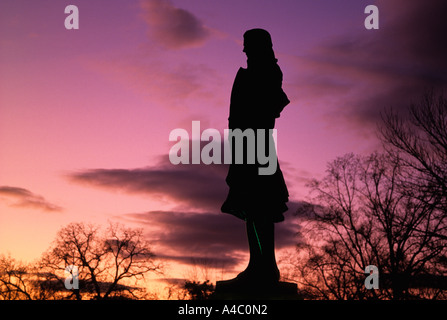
[235, 290]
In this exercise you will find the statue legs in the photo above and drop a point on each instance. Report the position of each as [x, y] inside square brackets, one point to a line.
[262, 264]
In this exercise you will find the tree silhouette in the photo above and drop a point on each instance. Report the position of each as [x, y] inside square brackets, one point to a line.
[110, 263]
[199, 290]
[106, 261]
[361, 215]
[419, 141]
[14, 284]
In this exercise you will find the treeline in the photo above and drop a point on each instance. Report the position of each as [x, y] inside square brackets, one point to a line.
[388, 209]
[84, 262]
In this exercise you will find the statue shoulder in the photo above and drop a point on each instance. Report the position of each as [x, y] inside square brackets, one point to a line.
[241, 72]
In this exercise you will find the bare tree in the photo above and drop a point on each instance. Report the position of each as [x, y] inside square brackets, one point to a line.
[106, 261]
[420, 141]
[197, 286]
[14, 284]
[359, 216]
[199, 290]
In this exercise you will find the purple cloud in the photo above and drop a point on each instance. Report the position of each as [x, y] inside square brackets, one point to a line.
[195, 229]
[173, 27]
[354, 77]
[21, 197]
[219, 237]
[200, 187]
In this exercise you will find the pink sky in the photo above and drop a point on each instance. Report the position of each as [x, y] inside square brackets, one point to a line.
[85, 115]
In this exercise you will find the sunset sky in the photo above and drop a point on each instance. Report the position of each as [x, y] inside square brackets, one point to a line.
[85, 115]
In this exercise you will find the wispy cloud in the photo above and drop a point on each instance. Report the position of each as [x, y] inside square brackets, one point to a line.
[155, 69]
[199, 187]
[195, 228]
[20, 197]
[354, 77]
[190, 236]
[167, 80]
[173, 27]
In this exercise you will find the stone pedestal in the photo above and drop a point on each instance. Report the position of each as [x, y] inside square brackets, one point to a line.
[236, 290]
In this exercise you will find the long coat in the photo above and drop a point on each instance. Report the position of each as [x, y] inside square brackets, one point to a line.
[257, 99]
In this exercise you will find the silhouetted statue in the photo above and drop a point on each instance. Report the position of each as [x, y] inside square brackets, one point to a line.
[257, 99]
